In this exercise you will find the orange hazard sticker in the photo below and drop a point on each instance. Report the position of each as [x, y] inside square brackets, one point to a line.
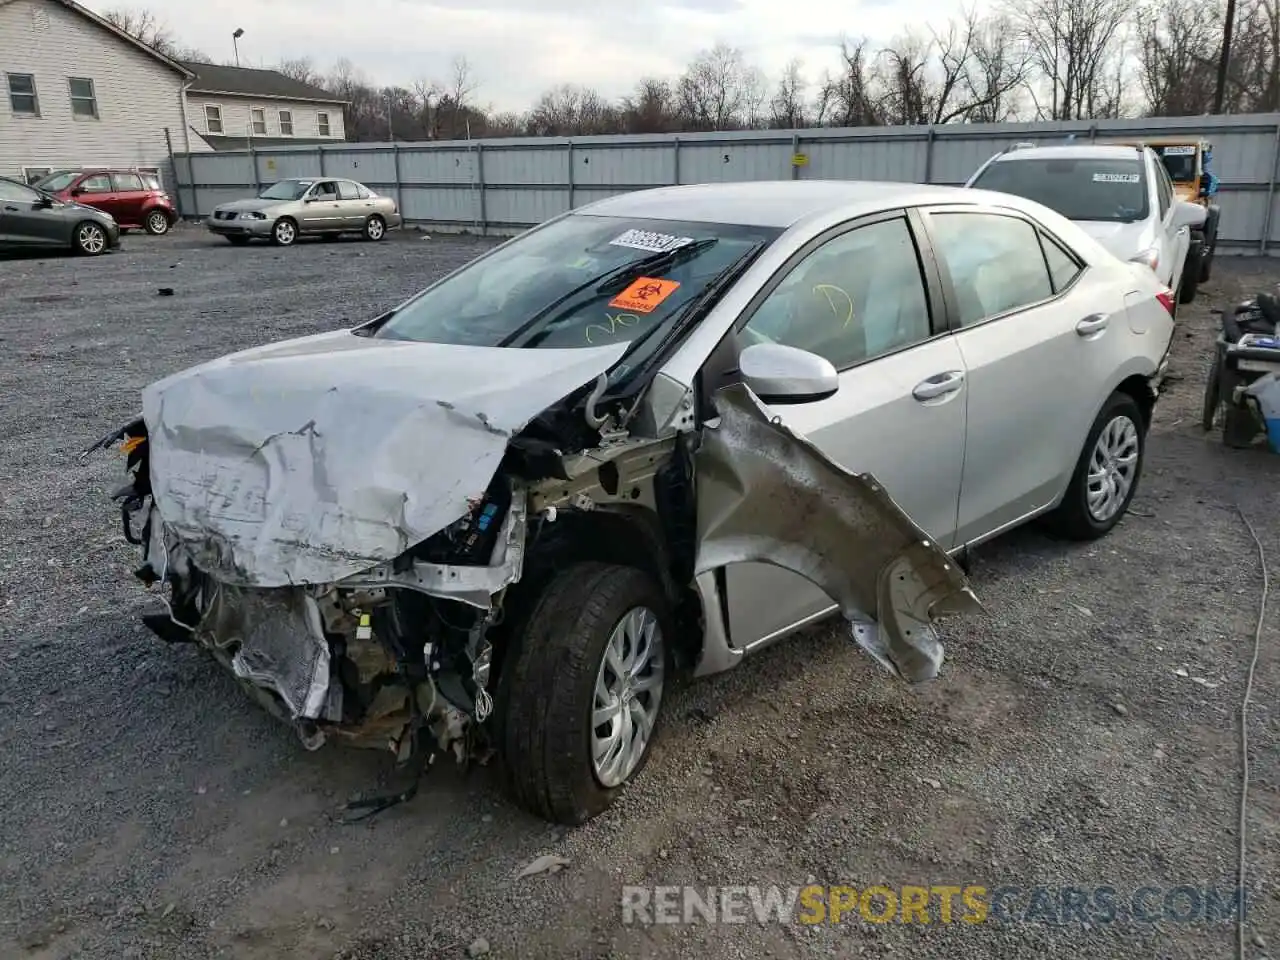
[644, 295]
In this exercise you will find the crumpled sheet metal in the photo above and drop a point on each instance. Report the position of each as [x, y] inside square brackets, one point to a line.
[308, 461]
[768, 495]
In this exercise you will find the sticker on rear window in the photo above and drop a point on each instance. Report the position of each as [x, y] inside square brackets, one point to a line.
[644, 295]
[1184, 151]
[1115, 178]
[654, 242]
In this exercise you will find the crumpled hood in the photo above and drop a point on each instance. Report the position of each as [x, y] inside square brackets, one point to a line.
[314, 459]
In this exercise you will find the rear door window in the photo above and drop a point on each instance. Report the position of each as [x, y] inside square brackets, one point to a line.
[126, 182]
[347, 190]
[98, 183]
[994, 261]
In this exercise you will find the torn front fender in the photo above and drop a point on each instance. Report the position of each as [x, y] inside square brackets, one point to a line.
[767, 495]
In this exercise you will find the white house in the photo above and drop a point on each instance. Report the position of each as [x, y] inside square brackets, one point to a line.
[229, 106]
[80, 93]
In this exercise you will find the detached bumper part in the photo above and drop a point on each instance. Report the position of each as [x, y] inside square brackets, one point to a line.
[767, 495]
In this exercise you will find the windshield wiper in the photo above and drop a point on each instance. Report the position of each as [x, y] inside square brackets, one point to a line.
[549, 315]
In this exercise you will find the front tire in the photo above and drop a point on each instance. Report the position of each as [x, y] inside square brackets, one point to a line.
[89, 239]
[157, 223]
[1189, 282]
[1107, 473]
[581, 691]
[375, 228]
[284, 233]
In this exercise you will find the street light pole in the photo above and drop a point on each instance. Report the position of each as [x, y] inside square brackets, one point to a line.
[236, 46]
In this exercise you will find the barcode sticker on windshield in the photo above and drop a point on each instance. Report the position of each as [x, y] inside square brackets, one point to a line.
[1115, 178]
[654, 242]
[1183, 151]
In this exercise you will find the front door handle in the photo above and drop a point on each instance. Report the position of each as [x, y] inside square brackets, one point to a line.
[12, 209]
[1095, 323]
[939, 385]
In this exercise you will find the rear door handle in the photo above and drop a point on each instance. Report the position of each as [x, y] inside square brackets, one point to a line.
[939, 385]
[1095, 323]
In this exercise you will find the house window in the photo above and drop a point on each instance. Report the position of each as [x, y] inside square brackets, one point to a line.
[35, 174]
[84, 102]
[286, 123]
[259, 117]
[213, 118]
[22, 95]
[322, 122]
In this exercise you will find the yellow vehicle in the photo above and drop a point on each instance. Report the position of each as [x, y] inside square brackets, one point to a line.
[1187, 159]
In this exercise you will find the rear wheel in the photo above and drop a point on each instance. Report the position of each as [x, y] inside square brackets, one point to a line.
[1107, 473]
[157, 223]
[375, 228]
[579, 696]
[284, 233]
[89, 239]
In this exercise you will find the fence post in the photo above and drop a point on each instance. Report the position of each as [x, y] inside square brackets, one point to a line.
[173, 165]
[320, 155]
[795, 150]
[569, 155]
[483, 214]
[191, 180]
[395, 159]
[928, 154]
[675, 161]
[1271, 195]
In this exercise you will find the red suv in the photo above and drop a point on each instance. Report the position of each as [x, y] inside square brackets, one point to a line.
[134, 199]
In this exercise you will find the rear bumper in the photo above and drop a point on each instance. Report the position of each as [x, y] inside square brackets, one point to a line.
[395, 220]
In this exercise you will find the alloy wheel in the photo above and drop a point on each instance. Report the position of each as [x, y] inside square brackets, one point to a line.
[628, 693]
[1113, 467]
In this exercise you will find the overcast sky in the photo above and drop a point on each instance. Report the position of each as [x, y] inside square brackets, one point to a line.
[518, 48]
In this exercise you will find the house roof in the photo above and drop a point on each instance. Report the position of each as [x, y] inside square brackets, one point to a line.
[249, 82]
[120, 34]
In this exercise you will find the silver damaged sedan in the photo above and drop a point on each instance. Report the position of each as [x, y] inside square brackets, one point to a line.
[292, 208]
[655, 434]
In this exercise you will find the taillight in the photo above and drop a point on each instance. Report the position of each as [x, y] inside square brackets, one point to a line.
[1166, 300]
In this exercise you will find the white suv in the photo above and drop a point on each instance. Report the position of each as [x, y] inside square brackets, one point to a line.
[1120, 195]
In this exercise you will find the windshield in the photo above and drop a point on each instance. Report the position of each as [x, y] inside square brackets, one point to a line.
[1180, 161]
[578, 282]
[286, 190]
[1079, 188]
[57, 181]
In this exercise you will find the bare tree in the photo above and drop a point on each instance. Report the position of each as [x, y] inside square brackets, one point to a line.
[301, 69]
[145, 26]
[571, 110]
[716, 91]
[1253, 75]
[787, 108]
[849, 97]
[998, 67]
[1073, 45]
[651, 109]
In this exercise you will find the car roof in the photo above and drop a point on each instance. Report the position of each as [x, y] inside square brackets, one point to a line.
[1085, 151]
[779, 203]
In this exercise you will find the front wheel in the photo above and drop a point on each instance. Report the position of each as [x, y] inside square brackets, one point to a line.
[157, 223]
[89, 239]
[284, 233]
[1107, 473]
[375, 228]
[580, 695]
[1189, 282]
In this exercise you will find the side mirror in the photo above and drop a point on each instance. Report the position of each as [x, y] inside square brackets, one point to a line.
[44, 203]
[779, 374]
[1187, 214]
[77, 191]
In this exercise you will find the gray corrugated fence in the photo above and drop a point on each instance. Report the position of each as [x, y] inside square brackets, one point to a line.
[504, 186]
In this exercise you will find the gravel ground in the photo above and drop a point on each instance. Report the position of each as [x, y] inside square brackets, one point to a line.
[150, 810]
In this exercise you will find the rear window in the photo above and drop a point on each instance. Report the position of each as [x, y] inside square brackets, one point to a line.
[1180, 161]
[1079, 188]
[151, 181]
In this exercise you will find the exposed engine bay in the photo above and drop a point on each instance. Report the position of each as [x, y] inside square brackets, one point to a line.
[343, 623]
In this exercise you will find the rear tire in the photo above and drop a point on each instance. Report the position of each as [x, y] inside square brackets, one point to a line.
[89, 239]
[1118, 433]
[375, 228]
[1189, 283]
[157, 223]
[284, 233]
[549, 691]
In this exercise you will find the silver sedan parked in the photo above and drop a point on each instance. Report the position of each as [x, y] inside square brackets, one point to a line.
[662, 431]
[291, 208]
